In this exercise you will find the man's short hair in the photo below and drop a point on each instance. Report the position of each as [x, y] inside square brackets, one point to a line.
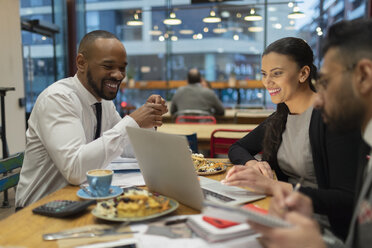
[90, 37]
[352, 38]
[193, 76]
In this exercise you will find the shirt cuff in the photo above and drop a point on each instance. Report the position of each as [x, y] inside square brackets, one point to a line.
[127, 121]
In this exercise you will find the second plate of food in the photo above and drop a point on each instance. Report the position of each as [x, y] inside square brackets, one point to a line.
[212, 169]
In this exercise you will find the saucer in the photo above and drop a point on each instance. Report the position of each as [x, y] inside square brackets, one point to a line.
[115, 191]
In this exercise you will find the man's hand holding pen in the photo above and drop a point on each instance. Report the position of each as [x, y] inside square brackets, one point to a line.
[296, 209]
[284, 201]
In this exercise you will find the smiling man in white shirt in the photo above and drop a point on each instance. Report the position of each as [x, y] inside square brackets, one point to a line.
[62, 138]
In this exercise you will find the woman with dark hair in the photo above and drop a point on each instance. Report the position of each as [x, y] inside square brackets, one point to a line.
[295, 141]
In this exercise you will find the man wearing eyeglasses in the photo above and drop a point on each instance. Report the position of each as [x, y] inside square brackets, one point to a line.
[345, 96]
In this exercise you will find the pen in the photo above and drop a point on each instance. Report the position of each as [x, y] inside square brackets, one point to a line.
[298, 185]
[177, 221]
[295, 189]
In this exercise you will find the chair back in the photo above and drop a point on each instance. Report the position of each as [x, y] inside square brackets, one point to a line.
[193, 142]
[10, 176]
[220, 144]
[191, 119]
[192, 112]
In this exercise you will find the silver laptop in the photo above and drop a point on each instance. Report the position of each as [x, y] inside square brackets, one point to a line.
[166, 165]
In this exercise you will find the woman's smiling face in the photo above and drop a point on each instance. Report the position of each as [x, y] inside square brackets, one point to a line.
[281, 76]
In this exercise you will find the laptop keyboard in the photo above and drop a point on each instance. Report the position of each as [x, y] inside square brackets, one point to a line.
[210, 194]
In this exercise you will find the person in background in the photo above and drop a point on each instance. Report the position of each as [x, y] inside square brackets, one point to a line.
[74, 126]
[295, 141]
[196, 97]
[345, 98]
[205, 83]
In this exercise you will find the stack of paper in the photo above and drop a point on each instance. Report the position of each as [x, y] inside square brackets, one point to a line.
[127, 172]
[124, 165]
[213, 234]
[128, 179]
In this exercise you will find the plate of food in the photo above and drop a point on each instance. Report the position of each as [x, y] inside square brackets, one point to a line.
[134, 205]
[204, 167]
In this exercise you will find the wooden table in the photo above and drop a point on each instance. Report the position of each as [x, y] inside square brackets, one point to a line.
[203, 131]
[235, 116]
[25, 228]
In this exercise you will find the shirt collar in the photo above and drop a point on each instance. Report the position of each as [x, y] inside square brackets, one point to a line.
[367, 135]
[87, 97]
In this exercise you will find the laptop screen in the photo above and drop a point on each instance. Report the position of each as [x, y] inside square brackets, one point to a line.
[166, 165]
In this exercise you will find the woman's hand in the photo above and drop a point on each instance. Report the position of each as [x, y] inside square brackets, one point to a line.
[247, 176]
[261, 166]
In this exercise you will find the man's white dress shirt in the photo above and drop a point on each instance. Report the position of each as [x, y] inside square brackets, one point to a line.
[367, 136]
[60, 145]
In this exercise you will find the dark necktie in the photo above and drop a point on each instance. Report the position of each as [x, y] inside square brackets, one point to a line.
[99, 117]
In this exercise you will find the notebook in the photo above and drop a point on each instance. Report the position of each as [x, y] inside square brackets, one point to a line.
[166, 165]
[214, 234]
[242, 215]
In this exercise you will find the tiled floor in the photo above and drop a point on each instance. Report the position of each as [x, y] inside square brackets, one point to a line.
[5, 212]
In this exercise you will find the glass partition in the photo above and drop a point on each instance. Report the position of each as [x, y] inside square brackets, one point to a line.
[224, 40]
[44, 55]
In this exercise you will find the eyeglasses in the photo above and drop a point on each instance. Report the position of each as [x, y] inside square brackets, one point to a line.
[322, 82]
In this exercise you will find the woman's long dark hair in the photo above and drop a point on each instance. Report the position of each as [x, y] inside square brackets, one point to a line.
[300, 52]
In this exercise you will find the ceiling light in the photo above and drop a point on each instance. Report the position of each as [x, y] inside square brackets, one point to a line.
[172, 20]
[174, 38]
[290, 4]
[296, 13]
[206, 30]
[238, 15]
[198, 36]
[161, 38]
[135, 21]
[186, 31]
[212, 18]
[219, 30]
[155, 32]
[236, 37]
[277, 26]
[253, 16]
[255, 29]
